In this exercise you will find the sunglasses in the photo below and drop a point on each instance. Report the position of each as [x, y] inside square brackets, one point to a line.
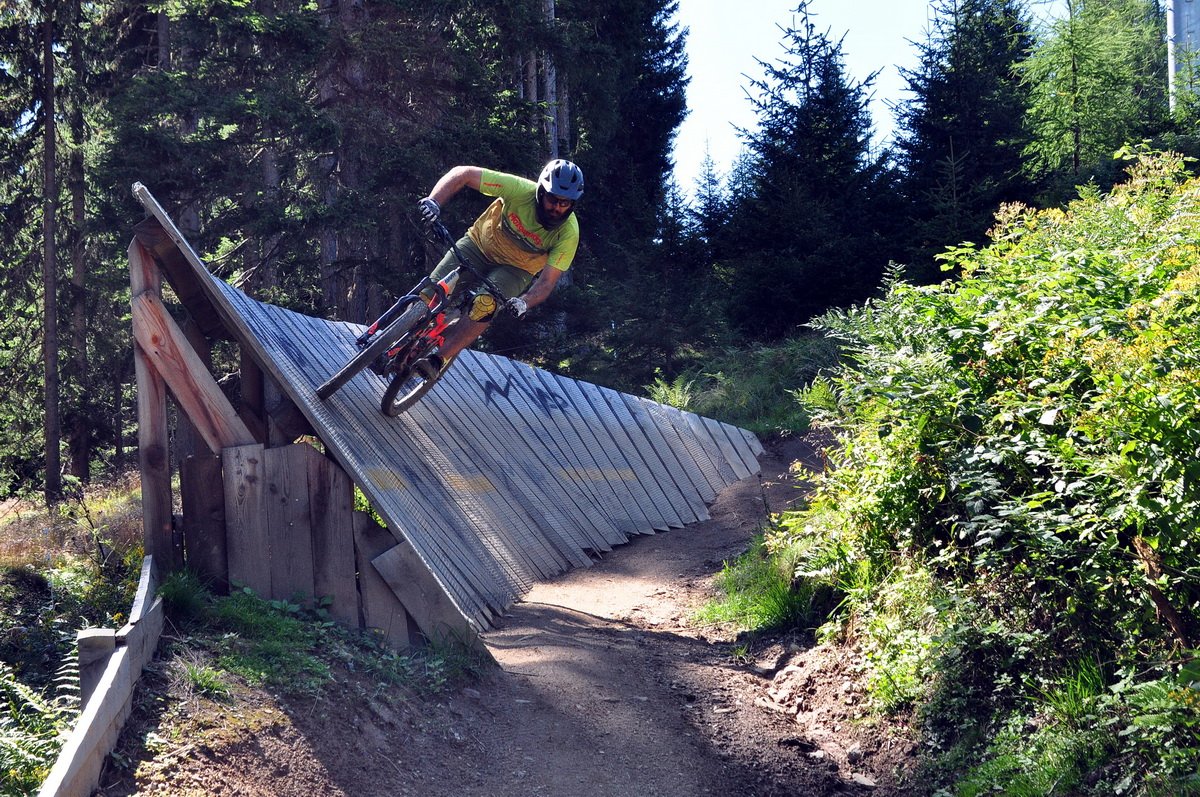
[558, 202]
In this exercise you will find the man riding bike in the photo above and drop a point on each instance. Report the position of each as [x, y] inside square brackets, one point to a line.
[523, 242]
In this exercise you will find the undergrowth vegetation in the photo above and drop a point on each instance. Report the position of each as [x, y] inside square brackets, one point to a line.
[241, 639]
[752, 388]
[1012, 513]
[62, 570]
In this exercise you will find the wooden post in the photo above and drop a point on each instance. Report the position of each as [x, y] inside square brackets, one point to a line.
[252, 406]
[153, 432]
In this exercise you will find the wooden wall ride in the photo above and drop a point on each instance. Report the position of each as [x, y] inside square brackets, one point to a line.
[503, 475]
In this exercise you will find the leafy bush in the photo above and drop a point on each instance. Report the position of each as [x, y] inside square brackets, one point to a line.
[1025, 437]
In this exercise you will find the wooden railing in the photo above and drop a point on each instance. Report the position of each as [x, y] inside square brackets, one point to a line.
[110, 663]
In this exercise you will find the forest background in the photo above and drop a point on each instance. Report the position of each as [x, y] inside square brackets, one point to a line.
[292, 140]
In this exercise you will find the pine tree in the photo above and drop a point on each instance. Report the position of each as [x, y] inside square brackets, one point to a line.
[806, 232]
[1097, 81]
[962, 134]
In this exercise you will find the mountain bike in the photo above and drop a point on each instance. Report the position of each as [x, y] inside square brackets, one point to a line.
[398, 344]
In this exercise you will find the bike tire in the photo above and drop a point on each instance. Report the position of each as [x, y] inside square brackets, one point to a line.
[404, 391]
[384, 341]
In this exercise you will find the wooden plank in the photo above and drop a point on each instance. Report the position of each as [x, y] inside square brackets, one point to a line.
[658, 512]
[727, 448]
[153, 430]
[661, 430]
[646, 462]
[588, 463]
[427, 603]
[141, 638]
[288, 532]
[192, 385]
[331, 510]
[245, 518]
[95, 645]
[382, 610]
[672, 474]
[533, 515]
[204, 520]
[77, 770]
[107, 701]
[159, 245]
[146, 589]
[740, 441]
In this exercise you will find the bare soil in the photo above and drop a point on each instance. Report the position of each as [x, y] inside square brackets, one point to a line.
[603, 686]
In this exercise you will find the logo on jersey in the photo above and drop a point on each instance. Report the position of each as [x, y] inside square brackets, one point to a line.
[515, 221]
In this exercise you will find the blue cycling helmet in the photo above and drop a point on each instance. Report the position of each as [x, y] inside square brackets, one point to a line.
[563, 179]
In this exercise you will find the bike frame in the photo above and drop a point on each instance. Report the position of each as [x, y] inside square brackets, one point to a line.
[419, 336]
[436, 322]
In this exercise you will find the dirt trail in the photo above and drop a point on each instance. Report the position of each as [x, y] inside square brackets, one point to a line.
[603, 688]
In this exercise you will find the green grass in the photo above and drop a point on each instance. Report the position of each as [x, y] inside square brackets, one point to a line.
[759, 593]
[290, 649]
[755, 388]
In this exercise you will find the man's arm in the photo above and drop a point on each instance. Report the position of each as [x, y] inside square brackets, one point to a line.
[541, 288]
[454, 181]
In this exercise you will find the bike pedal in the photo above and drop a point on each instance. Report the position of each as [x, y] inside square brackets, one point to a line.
[379, 365]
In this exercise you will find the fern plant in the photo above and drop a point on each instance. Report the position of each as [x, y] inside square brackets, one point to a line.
[33, 727]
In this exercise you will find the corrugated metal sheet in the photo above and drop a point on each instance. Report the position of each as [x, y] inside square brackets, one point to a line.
[503, 474]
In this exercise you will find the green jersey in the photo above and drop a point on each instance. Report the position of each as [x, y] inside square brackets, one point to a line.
[509, 232]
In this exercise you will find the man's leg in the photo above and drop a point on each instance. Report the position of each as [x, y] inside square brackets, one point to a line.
[460, 336]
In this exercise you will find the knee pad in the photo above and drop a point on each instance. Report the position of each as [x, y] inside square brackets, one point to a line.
[483, 307]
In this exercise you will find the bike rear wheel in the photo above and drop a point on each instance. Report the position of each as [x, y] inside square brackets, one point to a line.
[406, 389]
[384, 341]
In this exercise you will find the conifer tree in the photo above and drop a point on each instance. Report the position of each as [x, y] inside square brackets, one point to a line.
[806, 232]
[1097, 81]
[962, 133]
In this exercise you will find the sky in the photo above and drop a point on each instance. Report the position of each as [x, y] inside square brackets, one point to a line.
[725, 37]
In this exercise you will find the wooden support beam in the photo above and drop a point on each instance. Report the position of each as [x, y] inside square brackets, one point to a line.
[153, 432]
[427, 603]
[191, 384]
[250, 387]
[382, 610]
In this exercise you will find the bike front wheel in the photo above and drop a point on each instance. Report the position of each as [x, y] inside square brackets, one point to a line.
[406, 389]
[384, 341]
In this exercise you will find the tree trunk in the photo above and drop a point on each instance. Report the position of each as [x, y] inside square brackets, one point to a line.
[550, 92]
[80, 428]
[531, 86]
[563, 112]
[53, 428]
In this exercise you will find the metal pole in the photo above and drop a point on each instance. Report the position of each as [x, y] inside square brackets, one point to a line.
[1171, 65]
